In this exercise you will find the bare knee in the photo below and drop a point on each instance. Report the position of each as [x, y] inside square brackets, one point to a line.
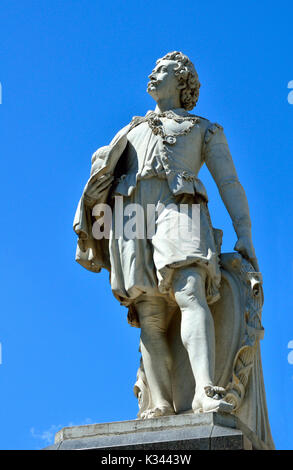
[189, 291]
[189, 287]
[153, 326]
[153, 317]
[154, 344]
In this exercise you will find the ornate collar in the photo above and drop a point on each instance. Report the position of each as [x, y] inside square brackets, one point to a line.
[178, 115]
[154, 121]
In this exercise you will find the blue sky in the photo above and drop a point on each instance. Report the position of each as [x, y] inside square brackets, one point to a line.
[72, 74]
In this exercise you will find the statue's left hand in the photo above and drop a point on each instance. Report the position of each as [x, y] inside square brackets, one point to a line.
[244, 246]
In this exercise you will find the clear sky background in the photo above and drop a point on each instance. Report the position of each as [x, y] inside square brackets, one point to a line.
[72, 73]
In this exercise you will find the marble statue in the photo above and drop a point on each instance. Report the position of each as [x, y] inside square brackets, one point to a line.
[199, 311]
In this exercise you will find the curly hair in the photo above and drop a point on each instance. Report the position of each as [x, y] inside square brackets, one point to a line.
[187, 76]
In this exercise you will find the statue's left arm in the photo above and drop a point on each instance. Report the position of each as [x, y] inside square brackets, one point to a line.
[220, 164]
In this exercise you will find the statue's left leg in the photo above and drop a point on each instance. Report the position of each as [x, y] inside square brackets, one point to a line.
[198, 336]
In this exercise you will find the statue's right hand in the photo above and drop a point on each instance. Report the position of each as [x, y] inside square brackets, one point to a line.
[96, 187]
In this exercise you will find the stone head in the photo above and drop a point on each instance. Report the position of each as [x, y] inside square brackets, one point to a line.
[175, 74]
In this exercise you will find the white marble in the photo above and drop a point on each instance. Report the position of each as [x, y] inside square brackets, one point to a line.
[177, 291]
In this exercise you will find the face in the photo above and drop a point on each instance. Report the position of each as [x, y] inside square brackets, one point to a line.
[163, 81]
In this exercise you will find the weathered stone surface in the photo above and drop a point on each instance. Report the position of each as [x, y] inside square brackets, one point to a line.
[203, 431]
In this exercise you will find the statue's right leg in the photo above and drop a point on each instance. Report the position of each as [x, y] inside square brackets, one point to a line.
[154, 320]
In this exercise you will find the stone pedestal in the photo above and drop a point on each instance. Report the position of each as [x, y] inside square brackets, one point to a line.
[208, 431]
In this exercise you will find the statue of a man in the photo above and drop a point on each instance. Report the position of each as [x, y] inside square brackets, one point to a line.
[156, 160]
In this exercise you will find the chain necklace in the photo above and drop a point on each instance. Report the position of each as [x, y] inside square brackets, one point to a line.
[154, 121]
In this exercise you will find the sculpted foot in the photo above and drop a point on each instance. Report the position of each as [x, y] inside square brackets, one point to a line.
[212, 399]
[158, 411]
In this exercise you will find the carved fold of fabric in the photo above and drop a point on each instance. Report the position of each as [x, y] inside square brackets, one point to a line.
[146, 265]
[86, 246]
[184, 182]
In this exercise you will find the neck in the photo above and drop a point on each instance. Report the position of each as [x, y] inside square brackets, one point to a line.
[166, 104]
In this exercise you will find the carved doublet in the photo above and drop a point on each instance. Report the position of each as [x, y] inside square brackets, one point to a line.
[168, 145]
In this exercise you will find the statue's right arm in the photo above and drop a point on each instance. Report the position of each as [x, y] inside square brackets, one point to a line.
[103, 164]
[94, 189]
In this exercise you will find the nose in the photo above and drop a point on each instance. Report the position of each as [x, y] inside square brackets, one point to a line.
[152, 75]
